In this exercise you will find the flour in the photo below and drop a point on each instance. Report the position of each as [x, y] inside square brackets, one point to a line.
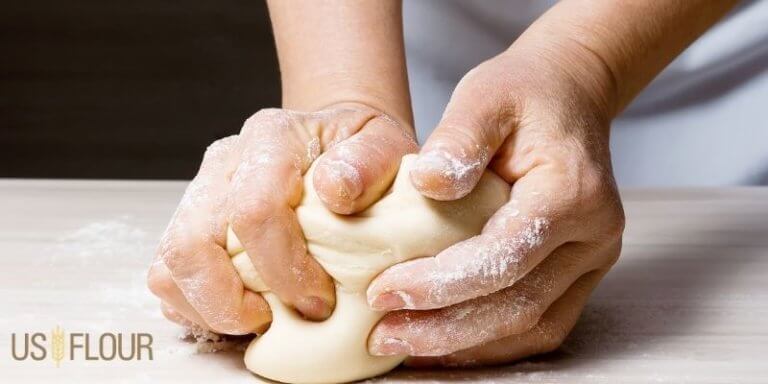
[209, 342]
[480, 265]
[406, 298]
[467, 284]
[346, 176]
[98, 265]
[101, 241]
[313, 150]
[462, 172]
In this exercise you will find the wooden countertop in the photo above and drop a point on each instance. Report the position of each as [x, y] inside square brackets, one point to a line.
[687, 302]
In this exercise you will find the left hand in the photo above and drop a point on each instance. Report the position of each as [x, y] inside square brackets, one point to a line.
[252, 182]
[518, 288]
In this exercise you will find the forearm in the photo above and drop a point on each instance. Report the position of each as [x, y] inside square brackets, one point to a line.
[340, 51]
[621, 44]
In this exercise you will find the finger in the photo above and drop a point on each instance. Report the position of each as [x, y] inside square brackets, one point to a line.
[513, 310]
[354, 173]
[162, 285]
[535, 221]
[192, 248]
[201, 269]
[477, 120]
[265, 187]
[176, 317]
[548, 334]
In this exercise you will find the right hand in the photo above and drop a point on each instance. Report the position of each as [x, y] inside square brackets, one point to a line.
[252, 182]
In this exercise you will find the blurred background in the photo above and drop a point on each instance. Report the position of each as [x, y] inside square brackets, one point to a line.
[137, 89]
[128, 89]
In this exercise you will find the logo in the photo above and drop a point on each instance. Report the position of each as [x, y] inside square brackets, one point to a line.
[57, 345]
[60, 346]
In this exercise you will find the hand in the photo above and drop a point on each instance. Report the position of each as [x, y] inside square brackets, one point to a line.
[252, 182]
[517, 288]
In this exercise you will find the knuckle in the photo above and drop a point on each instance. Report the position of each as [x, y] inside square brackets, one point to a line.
[219, 148]
[613, 220]
[159, 280]
[523, 311]
[552, 336]
[169, 312]
[613, 254]
[618, 223]
[251, 213]
[523, 322]
[186, 238]
[268, 116]
[612, 260]
[596, 185]
[181, 240]
[172, 314]
[600, 199]
[490, 86]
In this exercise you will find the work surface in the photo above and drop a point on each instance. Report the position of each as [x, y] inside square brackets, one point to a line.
[687, 302]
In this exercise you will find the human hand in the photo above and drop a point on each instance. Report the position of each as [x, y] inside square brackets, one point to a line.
[517, 288]
[252, 182]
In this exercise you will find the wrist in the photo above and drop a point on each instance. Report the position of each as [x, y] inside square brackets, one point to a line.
[340, 51]
[615, 48]
[569, 76]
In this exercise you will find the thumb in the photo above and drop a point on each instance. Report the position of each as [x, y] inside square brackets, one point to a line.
[478, 118]
[354, 173]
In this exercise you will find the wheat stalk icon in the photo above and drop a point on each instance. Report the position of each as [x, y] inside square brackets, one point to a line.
[57, 345]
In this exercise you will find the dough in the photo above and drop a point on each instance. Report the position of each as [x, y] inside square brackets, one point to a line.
[353, 249]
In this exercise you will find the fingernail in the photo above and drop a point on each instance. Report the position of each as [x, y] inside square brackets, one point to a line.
[347, 178]
[433, 161]
[441, 176]
[313, 307]
[389, 346]
[391, 301]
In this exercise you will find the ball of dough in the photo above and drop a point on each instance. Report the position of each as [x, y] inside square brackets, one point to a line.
[353, 249]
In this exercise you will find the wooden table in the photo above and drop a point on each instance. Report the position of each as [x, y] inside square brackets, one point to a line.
[687, 302]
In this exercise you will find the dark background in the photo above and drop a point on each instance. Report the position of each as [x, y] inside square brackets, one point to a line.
[128, 89]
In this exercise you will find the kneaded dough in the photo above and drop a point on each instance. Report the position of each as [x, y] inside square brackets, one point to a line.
[353, 249]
